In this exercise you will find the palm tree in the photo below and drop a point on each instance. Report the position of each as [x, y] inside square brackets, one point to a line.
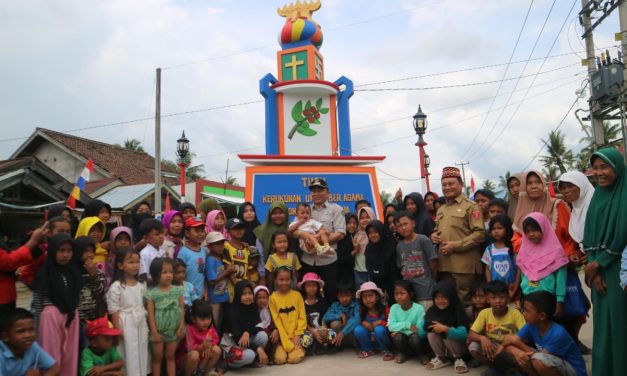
[489, 184]
[503, 180]
[558, 156]
[551, 173]
[386, 197]
[611, 137]
[133, 144]
[230, 180]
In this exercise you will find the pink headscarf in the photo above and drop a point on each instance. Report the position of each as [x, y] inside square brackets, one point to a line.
[177, 240]
[110, 265]
[210, 223]
[537, 261]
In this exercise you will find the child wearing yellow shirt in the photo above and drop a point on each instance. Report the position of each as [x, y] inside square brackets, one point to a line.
[288, 313]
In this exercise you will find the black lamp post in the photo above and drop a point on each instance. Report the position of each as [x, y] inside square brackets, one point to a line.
[420, 126]
[182, 150]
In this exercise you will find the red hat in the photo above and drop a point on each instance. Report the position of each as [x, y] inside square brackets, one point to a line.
[451, 172]
[193, 222]
[101, 327]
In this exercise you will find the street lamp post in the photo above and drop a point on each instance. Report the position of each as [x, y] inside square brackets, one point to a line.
[182, 150]
[427, 173]
[420, 126]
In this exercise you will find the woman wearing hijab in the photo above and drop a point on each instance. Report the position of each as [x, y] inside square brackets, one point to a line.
[245, 326]
[415, 205]
[55, 300]
[447, 327]
[248, 214]
[381, 258]
[605, 238]
[577, 191]
[276, 220]
[430, 198]
[141, 211]
[345, 258]
[534, 197]
[513, 190]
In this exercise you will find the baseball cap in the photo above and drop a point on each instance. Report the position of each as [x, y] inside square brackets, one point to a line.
[234, 222]
[214, 237]
[101, 327]
[193, 222]
[318, 182]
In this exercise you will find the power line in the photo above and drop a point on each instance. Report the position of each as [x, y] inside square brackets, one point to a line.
[533, 48]
[464, 84]
[498, 89]
[533, 81]
[559, 125]
[468, 118]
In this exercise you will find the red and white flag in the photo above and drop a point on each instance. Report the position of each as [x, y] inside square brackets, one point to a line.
[472, 184]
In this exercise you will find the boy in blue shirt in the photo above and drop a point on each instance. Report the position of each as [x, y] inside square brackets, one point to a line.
[19, 353]
[543, 347]
[194, 255]
[343, 315]
[218, 276]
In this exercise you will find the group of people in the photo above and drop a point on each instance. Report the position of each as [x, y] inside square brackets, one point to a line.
[451, 281]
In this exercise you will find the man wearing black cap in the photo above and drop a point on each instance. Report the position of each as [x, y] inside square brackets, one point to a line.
[332, 218]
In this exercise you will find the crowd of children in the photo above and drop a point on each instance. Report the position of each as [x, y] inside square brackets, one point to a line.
[196, 295]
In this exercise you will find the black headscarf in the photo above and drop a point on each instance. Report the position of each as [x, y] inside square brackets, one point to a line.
[93, 208]
[136, 220]
[188, 205]
[380, 255]
[243, 318]
[452, 316]
[424, 223]
[249, 236]
[80, 246]
[60, 283]
[57, 211]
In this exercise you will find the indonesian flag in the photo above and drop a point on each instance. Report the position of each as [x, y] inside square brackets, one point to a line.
[80, 184]
[472, 184]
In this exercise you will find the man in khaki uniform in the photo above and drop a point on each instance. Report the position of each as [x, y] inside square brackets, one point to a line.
[459, 233]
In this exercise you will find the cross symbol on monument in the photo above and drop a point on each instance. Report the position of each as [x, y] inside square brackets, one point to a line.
[294, 65]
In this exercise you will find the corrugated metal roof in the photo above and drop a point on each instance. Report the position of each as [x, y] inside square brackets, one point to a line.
[120, 197]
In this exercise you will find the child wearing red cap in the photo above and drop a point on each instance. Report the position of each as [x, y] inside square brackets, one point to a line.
[101, 357]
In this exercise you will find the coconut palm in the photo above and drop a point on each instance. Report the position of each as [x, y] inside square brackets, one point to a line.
[611, 137]
[503, 180]
[133, 144]
[489, 184]
[558, 156]
[386, 197]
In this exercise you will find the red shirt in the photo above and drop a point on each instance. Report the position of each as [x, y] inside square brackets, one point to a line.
[9, 262]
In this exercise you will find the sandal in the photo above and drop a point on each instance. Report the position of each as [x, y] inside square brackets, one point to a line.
[365, 354]
[460, 366]
[437, 363]
[400, 358]
[387, 356]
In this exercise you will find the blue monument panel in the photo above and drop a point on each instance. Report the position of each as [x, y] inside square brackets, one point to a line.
[292, 188]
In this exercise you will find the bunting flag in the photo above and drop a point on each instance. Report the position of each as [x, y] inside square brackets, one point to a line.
[551, 188]
[472, 184]
[80, 184]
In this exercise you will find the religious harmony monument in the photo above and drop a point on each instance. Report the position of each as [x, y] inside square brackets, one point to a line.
[307, 126]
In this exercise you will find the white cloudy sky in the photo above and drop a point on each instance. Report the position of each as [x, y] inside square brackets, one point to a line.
[69, 64]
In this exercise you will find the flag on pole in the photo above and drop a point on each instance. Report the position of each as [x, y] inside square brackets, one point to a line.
[472, 184]
[551, 188]
[80, 184]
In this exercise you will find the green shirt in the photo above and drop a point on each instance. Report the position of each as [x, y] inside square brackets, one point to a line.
[90, 359]
[400, 320]
[555, 283]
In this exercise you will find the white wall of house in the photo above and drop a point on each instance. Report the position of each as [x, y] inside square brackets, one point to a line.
[62, 162]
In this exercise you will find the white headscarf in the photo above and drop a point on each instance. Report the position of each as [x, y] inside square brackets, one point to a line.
[580, 207]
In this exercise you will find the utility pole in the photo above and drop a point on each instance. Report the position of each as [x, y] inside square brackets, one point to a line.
[596, 125]
[226, 175]
[622, 14]
[158, 144]
[463, 164]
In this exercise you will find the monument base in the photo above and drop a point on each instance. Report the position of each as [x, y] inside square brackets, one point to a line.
[289, 183]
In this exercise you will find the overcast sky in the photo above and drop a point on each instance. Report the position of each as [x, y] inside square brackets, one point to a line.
[69, 64]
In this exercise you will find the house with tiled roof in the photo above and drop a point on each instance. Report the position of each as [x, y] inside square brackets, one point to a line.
[67, 154]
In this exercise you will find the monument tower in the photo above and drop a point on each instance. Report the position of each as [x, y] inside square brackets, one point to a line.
[307, 126]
